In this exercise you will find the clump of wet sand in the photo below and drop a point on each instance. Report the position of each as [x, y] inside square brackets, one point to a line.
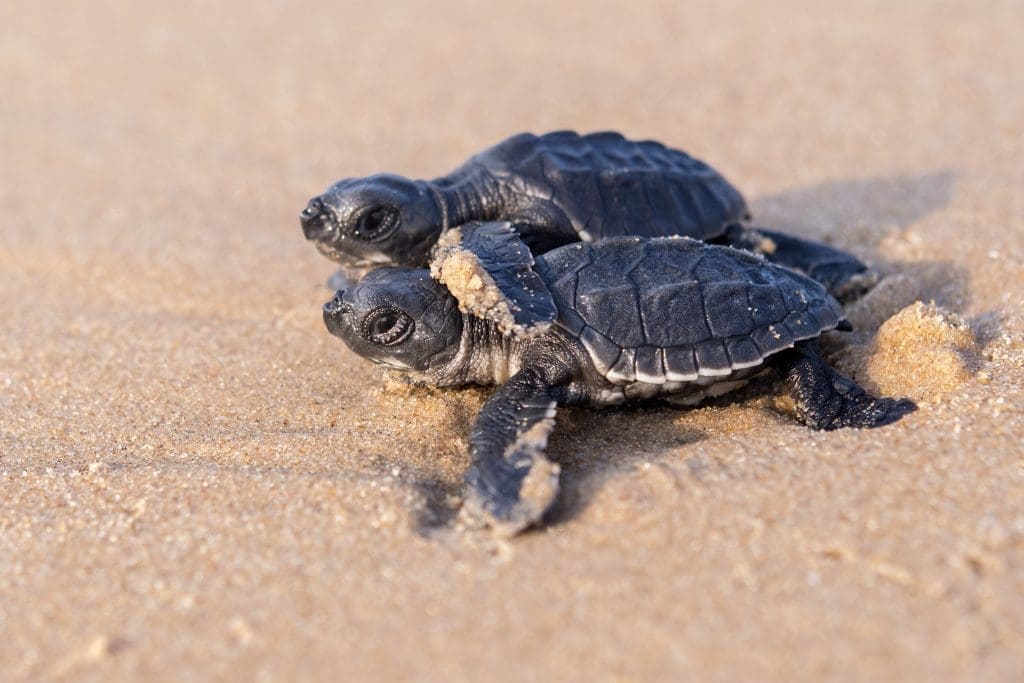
[924, 352]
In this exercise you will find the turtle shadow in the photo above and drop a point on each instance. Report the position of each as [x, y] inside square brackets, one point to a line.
[987, 327]
[854, 212]
[590, 445]
[943, 283]
[440, 500]
[594, 446]
[857, 215]
[904, 282]
[440, 497]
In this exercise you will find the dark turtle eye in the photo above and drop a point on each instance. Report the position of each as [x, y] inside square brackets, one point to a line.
[376, 224]
[387, 326]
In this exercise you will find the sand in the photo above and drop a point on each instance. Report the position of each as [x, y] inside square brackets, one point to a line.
[196, 479]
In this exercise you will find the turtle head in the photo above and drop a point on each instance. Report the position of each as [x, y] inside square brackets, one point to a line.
[397, 317]
[378, 220]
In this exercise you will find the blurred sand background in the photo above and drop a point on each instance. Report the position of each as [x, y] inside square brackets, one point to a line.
[195, 479]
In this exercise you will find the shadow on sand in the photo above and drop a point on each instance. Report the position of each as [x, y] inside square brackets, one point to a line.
[590, 445]
[866, 209]
[593, 445]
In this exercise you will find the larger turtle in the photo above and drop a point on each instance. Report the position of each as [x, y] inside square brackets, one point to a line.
[668, 318]
[555, 189]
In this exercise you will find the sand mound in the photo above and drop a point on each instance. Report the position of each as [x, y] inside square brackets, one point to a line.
[923, 352]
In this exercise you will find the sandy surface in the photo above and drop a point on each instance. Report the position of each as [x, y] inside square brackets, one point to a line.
[196, 479]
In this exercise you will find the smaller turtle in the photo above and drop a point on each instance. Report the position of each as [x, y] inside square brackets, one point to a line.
[552, 189]
[668, 318]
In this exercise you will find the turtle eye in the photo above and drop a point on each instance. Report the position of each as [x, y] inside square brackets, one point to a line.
[376, 224]
[387, 326]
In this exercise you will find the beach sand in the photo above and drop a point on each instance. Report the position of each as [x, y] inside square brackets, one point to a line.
[196, 479]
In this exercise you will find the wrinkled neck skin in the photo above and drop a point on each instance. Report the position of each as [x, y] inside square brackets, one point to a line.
[485, 356]
[467, 195]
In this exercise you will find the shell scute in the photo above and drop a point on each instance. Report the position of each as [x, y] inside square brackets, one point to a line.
[613, 311]
[766, 304]
[673, 314]
[649, 364]
[826, 316]
[711, 358]
[802, 325]
[624, 368]
[680, 364]
[743, 353]
[602, 350]
[724, 316]
[771, 338]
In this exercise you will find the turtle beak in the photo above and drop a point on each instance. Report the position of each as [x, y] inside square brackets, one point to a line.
[334, 311]
[314, 219]
[336, 306]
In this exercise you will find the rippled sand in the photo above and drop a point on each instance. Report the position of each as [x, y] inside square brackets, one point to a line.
[196, 479]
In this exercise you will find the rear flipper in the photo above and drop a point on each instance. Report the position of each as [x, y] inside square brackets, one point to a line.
[843, 275]
[827, 400]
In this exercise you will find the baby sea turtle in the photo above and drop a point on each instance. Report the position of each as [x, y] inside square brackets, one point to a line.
[554, 189]
[669, 318]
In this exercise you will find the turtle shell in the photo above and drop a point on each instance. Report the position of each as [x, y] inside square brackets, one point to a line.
[609, 186]
[675, 309]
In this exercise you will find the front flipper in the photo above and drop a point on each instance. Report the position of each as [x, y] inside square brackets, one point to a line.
[843, 275]
[510, 483]
[827, 400]
[489, 270]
